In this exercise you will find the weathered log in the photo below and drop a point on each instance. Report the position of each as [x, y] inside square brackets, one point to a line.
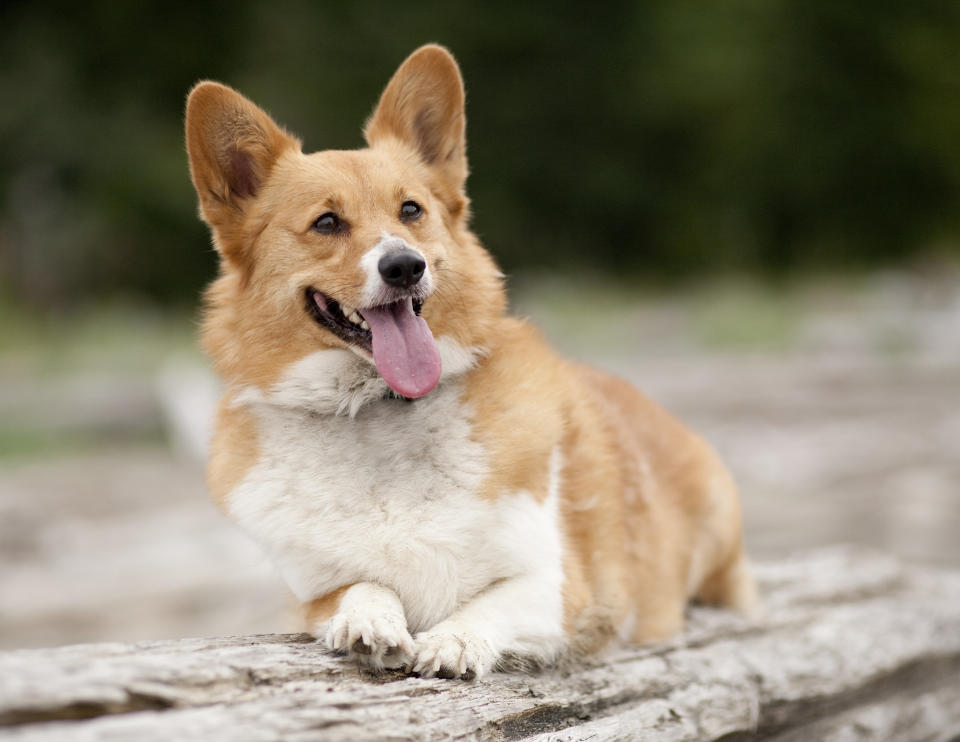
[855, 646]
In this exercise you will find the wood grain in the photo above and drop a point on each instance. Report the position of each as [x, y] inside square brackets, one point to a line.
[855, 646]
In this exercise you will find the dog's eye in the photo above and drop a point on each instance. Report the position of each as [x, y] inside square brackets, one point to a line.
[410, 211]
[329, 223]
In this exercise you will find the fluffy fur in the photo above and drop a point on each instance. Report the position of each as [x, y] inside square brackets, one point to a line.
[525, 508]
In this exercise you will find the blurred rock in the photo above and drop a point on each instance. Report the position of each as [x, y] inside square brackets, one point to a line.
[187, 394]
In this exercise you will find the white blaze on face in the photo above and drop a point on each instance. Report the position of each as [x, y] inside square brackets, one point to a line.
[375, 291]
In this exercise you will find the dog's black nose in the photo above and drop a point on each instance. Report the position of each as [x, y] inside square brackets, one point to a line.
[401, 268]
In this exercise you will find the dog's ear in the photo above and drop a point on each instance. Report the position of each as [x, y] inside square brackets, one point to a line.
[423, 106]
[232, 145]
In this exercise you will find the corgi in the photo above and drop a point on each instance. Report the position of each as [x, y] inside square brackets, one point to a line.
[440, 490]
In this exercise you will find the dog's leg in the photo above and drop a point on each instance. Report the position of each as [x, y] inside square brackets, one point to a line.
[366, 621]
[733, 586]
[521, 615]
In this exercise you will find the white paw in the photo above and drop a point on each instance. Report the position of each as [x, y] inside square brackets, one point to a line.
[451, 651]
[378, 640]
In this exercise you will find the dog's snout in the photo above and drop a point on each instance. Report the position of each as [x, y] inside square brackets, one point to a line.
[401, 268]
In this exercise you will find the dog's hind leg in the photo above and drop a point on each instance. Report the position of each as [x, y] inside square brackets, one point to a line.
[732, 586]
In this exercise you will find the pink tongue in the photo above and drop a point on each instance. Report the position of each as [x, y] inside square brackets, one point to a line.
[403, 348]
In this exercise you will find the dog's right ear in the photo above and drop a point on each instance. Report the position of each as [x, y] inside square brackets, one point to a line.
[232, 145]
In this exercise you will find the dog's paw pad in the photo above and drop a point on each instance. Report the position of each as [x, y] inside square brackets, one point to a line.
[361, 647]
[375, 640]
[451, 654]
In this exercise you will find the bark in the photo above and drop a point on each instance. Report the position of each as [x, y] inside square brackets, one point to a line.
[854, 646]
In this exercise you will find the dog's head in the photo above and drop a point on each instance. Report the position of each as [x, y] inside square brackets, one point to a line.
[365, 250]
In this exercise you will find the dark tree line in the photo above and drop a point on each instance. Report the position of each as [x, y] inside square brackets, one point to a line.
[663, 138]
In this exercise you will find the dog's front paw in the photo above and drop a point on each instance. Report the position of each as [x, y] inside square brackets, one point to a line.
[378, 640]
[452, 651]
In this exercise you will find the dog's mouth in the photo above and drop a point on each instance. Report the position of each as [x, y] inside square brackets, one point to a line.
[395, 334]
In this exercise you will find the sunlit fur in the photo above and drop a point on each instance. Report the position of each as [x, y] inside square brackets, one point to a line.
[527, 508]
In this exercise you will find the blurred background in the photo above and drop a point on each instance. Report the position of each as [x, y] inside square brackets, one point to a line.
[751, 209]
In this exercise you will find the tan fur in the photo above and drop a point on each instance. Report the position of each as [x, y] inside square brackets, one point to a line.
[236, 450]
[322, 609]
[650, 516]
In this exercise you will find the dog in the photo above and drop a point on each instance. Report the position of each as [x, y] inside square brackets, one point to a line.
[440, 490]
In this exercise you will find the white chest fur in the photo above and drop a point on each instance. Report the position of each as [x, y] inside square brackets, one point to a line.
[388, 496]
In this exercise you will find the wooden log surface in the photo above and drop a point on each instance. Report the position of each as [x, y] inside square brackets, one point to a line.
[855, 645]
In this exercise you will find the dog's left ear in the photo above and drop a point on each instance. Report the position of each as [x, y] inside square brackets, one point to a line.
[423, 106]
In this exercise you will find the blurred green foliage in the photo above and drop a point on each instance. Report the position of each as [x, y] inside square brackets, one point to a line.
[660, 138]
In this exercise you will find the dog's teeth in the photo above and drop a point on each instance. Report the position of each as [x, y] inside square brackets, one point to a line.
[354, 317]
[364, 325]
[347, 310]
